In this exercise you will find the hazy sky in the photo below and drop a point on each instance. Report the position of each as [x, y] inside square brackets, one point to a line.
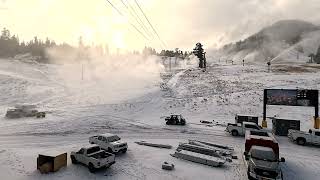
[180, 23]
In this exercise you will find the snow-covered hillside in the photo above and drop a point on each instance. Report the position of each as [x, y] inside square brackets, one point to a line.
[133, 107]
[287, 41]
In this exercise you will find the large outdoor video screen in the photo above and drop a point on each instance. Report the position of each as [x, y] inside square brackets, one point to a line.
[292, 97]
[282, 97]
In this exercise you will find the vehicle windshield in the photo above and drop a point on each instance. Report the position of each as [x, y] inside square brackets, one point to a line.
[264, 153]
[93, 150]
[113, 138]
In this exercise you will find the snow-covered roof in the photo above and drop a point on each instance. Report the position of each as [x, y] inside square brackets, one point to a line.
[263, 152]
[25, 106]
[107, 135]
[246, 115]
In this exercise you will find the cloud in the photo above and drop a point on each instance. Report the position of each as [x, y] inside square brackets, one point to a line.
[218, 22]
[181, 23]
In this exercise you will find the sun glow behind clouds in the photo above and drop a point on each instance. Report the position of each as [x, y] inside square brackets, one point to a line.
[180, 23]
[66, 21]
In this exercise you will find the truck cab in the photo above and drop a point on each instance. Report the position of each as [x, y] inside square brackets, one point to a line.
[240, 129]
[263, 163]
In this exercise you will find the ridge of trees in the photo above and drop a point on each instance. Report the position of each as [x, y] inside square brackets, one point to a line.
[10, 46]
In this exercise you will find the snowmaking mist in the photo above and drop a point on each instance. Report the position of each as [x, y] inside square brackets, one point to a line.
[108, 79]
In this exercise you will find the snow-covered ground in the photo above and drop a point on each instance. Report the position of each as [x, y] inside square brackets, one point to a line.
[134, 106]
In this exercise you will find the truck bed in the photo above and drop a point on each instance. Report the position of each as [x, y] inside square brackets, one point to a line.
[100, 155]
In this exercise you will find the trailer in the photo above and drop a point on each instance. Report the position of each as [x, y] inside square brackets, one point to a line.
[280, 127]
[240, 118]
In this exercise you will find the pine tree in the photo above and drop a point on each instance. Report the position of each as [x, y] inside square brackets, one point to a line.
[199, 52]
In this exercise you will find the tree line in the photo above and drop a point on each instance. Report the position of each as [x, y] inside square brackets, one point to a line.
[167, 53]
[11, 46]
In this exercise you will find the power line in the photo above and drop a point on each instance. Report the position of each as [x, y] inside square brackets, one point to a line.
[128, 21]
[137, 15]
[137, 19]
[154, 30]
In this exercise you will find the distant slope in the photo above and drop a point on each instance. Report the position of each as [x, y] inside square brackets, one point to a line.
[284, 41]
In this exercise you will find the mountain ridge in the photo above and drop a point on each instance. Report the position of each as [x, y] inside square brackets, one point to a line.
[284, 41]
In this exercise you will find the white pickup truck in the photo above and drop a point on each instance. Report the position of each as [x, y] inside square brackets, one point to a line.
[93, 157]
[240, 129]
[110, 142]
[302, 138]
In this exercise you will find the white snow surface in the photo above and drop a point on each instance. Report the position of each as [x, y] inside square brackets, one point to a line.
[77, 109]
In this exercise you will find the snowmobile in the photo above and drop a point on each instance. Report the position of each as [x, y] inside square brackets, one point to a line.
[175, 120]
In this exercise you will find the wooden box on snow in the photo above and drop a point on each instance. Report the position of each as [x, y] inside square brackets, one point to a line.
[49, 163]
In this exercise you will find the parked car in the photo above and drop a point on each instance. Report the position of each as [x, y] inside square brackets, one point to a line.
[109, 142]
[302, 138]
[240, 129]
[175, 120]
[263, 163]
[93, 157]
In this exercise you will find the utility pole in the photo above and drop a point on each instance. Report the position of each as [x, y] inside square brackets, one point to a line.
[170, 64]
[243, 62]
[82, 71]
[205, 61]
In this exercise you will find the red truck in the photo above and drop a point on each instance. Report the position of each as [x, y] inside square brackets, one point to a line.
[261, 138]
[262, 155]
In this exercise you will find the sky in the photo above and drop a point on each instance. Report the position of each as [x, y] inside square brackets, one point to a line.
[179, 23]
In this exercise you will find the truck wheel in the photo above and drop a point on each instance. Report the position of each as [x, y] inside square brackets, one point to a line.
[301, 141]
[234, 133]
[124, 150]
[91, 168]
[73, 160]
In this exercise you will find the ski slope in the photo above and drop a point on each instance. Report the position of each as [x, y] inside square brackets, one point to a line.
[134, 107]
